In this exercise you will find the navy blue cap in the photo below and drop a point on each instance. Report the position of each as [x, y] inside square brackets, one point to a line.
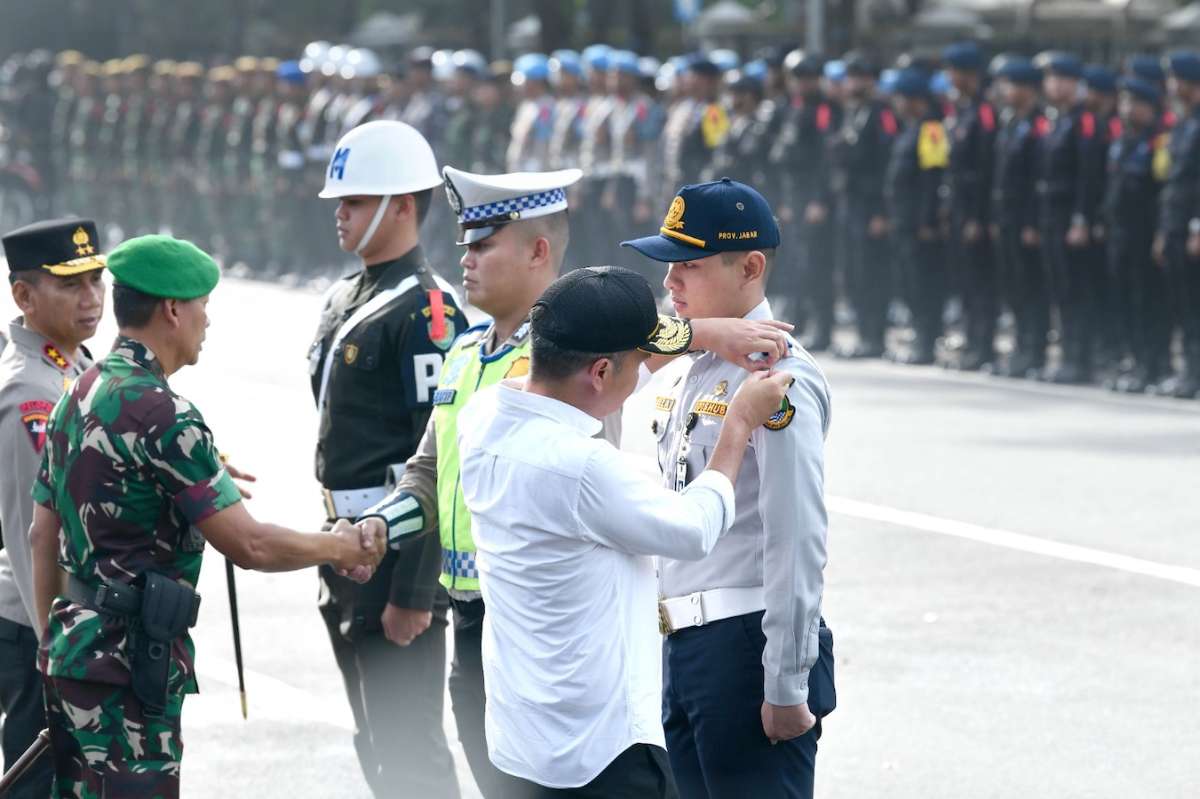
[710, 218]
[858, 63]
[1019, 70]
[1057, 62]
[1144, 90]
[911, 82]
[701, 65]
[1184, 65]
[1146, 67]
[963, 55]
[1100, 79]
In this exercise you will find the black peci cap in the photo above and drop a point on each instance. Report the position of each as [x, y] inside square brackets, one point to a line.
[607, 309]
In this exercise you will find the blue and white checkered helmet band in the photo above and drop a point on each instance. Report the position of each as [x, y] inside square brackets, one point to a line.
[544, 202]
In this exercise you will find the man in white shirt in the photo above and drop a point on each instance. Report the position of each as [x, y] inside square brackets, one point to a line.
[564, 531]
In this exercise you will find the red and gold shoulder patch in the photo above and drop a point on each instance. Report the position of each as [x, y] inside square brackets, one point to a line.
[35, 415]
[55, 357]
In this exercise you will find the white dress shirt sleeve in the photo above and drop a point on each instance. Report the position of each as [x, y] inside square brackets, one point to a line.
[791, 503]
[620, 508]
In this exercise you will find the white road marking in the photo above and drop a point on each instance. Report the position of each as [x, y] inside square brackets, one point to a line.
[1010, 540]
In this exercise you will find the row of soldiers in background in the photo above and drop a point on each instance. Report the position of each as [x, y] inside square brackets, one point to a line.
[1016, 186]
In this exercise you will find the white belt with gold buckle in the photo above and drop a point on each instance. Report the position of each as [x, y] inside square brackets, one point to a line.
[704, 607]
[352, 502]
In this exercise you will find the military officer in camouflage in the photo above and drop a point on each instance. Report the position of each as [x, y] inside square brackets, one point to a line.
[132, 478]
[56, 272]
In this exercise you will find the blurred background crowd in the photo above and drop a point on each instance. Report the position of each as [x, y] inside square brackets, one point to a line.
[999, 186]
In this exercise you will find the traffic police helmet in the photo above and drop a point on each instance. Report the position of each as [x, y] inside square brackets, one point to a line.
[381, 158]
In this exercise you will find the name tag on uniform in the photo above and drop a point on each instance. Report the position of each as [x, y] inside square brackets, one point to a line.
[664, 403]
[444, 396]
[712, 408]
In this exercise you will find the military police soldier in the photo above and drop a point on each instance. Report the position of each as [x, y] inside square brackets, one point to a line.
[374, 367]
[131, 476]
[1014, 217]
[735, 728]
[1137, 167]
[919, 156]
[799, 167]
[56, 272]
[1068, 187]
[1177, 244]
[971, 132]
[859, 152]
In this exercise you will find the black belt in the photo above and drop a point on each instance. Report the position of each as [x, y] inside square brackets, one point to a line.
[118, 599]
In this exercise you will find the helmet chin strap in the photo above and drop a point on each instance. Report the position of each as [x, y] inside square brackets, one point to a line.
[384, 201]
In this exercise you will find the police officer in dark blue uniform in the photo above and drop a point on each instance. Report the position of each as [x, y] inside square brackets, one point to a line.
[1177, 246]
[799, 169]
[1014, 215]
[1100, 100]
[1136, 168]
[859, 152]
[1068, 191]
[919, 155]
[971, 130]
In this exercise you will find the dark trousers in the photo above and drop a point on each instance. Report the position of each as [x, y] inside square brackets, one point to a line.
[640, 772]
[23, 706]
[1023, 287]
[975, 268]
[1139, 297]
[1183, 280]
[467, 699]
[923, 275]
[801, 284]
[869, 273]
[395, 694]
[1072, 285]
[712, 714]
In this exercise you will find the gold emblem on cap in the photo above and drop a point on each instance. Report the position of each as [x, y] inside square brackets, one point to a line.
[671, 334]
[83, 242]
[674, 220]
[351, 353]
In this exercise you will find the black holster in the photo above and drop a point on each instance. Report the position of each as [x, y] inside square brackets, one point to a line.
[169, 608]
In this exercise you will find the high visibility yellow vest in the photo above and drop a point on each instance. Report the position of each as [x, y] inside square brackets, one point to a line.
[466, 371]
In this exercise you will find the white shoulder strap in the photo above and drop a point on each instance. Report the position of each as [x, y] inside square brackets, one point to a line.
[371, 306]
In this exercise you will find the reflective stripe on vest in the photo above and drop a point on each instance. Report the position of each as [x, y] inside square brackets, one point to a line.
[464, 372]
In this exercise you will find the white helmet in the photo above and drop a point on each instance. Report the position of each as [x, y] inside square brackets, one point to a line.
[361, 63]
[382, 158]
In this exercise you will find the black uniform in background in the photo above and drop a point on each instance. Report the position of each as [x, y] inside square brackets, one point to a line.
[1068, 190]
[919, 155]
[377, 402]
[799, 163]
[971, 129]
[859, 154]
[1014, 214]
[1179, 211]
[1143, 330]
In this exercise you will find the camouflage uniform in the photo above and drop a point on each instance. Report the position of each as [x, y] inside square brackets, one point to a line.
[130, 468]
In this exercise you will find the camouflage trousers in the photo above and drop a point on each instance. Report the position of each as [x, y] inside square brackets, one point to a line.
[105, 747]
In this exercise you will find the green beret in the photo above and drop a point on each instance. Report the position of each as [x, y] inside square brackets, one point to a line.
[162, 266]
